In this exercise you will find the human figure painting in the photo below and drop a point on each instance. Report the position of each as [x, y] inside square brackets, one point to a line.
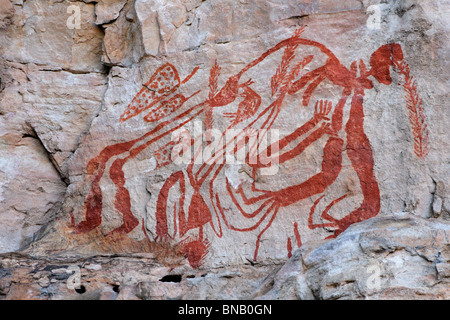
[207, 202]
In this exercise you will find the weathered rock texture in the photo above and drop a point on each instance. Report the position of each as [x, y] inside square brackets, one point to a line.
[390, 257]
[99, 98]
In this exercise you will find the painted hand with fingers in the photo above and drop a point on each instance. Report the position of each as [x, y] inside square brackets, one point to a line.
[322, 110]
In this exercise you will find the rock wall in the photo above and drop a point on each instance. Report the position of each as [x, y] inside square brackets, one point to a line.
[390, 257]
[222, 134]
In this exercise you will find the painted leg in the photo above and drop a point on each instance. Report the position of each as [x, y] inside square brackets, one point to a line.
[360, 154]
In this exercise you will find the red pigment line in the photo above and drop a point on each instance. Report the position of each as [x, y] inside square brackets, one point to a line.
[297, 235]
[236, 228]
[258, 239]
[361, 157]
[331, 166]
[289, 248]
[123, 203]
[93, 202]
[161, 206]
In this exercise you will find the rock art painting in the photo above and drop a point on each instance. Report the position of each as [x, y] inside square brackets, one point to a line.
[206, 198]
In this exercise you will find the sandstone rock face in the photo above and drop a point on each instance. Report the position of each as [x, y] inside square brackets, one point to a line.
[126, 277]
[232, 132]
[390, 257]
[52, 86]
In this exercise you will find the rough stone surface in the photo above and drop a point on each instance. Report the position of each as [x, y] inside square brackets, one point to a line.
[390, 257]
[122, 277]
[84, 180]
[52, 85]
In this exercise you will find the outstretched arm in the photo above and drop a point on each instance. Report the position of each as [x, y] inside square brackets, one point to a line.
[266, 158]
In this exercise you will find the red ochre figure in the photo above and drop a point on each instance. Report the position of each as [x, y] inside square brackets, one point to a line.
[165, 108]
